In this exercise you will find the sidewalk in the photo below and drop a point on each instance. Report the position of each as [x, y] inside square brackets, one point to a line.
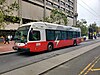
[6, 48]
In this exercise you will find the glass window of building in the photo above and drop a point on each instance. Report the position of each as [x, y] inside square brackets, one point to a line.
[66, 0]
[71, 8]
[40, 1]
[62, 3]
[63, 9]
[71, 3]
[56, 0]
[67, 5]
[55, 6]
[66, 11]
[49, 3]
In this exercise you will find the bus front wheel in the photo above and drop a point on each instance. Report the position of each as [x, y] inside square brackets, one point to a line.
[50, 47]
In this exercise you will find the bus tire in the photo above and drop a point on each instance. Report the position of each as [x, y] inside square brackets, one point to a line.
[50, 47]
[75, 43]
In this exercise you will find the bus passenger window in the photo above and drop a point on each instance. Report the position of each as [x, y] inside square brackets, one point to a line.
[57, 35]
[64, 36]
[34, 35]
[50, 35]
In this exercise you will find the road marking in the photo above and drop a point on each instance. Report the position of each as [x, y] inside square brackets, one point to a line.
[89, 69]
[85, 69]
[89, 66]
[96, 69]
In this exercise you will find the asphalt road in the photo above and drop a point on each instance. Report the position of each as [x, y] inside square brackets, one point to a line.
[13, 61]
[86, 64]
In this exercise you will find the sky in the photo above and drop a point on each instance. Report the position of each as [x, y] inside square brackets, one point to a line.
[89, 10]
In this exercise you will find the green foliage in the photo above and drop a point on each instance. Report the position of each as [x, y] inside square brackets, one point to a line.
[95, 27]
[83, 25]
[84, 28]
[7, 10]
[98, 29]
[2, 2]
[57, 16]
[1, 17]
[12, 19]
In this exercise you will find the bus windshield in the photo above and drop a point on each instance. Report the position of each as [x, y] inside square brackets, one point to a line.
[21, 34]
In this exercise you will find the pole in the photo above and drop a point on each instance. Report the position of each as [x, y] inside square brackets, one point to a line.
[75, 13]
[20, 11]
[44, 16]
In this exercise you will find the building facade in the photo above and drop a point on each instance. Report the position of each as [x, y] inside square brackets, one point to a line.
[36, 10]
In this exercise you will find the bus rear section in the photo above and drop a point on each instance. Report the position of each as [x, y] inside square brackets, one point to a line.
[62, 38]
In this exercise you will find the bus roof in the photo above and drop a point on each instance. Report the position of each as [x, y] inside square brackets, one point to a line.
[45, 25]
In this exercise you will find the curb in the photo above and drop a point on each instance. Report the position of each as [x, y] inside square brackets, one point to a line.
[8, 52]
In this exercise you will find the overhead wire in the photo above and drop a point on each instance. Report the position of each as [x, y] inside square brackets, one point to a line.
[94, 15]
[89, 7]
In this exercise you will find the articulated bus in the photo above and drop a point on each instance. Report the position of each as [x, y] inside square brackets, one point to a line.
[41, 36]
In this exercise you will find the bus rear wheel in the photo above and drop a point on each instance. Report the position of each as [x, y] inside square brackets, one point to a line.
[50, 47]
[75, 43]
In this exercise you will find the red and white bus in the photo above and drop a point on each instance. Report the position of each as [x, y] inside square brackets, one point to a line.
[41, 36]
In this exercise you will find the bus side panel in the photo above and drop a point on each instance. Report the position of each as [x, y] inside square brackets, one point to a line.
[62, 43]
[79, 40]
[69, 42]
[37, 46]
[42, 46]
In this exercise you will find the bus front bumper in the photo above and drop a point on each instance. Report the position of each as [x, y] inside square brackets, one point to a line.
[21, 49]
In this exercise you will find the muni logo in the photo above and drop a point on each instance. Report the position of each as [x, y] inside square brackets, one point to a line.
[57, 41]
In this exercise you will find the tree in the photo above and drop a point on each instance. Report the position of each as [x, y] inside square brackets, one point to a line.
[98, 29]
[83, 25]
[7, 10]
[94, 26]
[57, 16]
